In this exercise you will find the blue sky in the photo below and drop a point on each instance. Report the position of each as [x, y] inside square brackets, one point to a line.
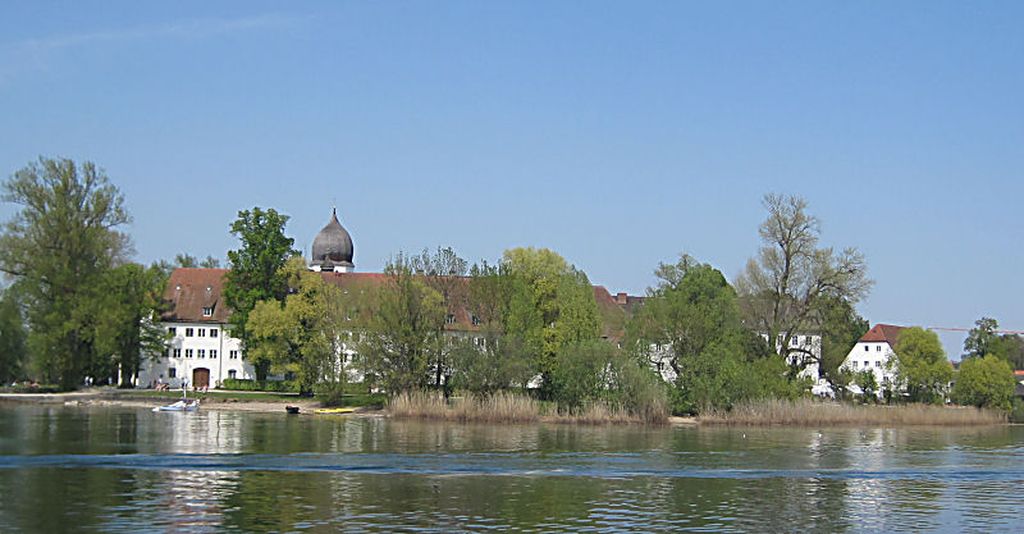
[618, 134]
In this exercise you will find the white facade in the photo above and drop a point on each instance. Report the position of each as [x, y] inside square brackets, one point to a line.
[874, 356]
[197, 352]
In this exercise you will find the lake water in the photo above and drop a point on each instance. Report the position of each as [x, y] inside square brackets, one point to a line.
[117, 469]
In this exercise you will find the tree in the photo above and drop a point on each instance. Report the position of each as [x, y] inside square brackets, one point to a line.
[841, 328]
[922, 370]
[1010, 347]
[985, 382]
[691, 322]
[498, 363]
[128, 320]
[256, 268]
[186, 261]
[865, 380]
[303, 336]
[13, 349]
[692, 307]
[403, 330]
[982, 338]
[785, 288]
[443, 271]
[210, 263]
[58, 247]
[549, 305]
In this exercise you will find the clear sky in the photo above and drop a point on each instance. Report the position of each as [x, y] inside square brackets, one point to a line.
[618, 134]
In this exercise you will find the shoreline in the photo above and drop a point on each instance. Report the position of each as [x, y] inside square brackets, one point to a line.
[236, 401]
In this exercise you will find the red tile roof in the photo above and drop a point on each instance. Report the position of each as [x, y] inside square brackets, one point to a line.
[190, 291]
[883, 332]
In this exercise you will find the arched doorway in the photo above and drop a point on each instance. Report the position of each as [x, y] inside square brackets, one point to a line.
[200, 378]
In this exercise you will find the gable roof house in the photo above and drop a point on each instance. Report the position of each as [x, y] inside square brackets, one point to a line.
[873, 352]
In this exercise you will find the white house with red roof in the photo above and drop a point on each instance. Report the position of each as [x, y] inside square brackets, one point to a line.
[874, 352]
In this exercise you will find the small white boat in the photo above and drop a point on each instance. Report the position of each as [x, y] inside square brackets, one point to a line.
[180, 406]
[184, 405]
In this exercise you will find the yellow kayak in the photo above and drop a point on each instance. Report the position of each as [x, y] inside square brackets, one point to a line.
[329, 411]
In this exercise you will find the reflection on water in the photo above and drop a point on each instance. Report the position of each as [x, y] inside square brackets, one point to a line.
[114, 469]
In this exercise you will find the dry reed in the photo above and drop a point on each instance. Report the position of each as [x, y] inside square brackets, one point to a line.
[507, 407]
[810, 412]
[503, 407]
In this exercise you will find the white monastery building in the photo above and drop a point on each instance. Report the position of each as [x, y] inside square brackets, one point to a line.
[873, 352]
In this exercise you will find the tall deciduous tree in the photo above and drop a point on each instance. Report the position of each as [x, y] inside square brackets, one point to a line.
[303, 336]
[256, 268]
[550, 304]
[841, 327]
[691, 323]
[443, 271]
[985, 382]
[58, 246]
[982, 338]
[13, 349]
[785, 288]
[985, 339]
[922, 369]
[128, 328]
[403, 330]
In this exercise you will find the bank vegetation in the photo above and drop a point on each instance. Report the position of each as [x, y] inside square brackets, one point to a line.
[809, 412]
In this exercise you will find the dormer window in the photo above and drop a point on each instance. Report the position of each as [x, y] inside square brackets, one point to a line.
[450, 319]
[208, 311]
[475, 320]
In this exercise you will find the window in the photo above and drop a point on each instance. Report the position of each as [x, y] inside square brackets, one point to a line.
[233, 355]
[854, 365]
[170, 352]
[201, 332]
[207, 311]
[177, 353]
[172, 331]
[188, 332]
[232, 373]
[188, 353]
[213, 332]
[449, 319]
[878, 363]
[878, 348]
[213, 353]
[475, 320]
[867, 364]
[172, 372]
[202, 353]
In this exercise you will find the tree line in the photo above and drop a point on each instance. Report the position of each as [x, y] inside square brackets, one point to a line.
[76, 307]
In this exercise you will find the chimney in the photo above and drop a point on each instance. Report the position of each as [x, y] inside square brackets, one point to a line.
[621, 298]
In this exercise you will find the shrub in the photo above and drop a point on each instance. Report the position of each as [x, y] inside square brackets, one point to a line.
[985, 382]
[273, 386]
[1017, 410]
[330, 393]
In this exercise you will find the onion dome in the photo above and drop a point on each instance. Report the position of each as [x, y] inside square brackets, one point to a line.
[333, 246]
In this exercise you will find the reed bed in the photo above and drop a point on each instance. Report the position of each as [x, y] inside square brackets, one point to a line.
[815, 413]
[501, 407]
[507, 407]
